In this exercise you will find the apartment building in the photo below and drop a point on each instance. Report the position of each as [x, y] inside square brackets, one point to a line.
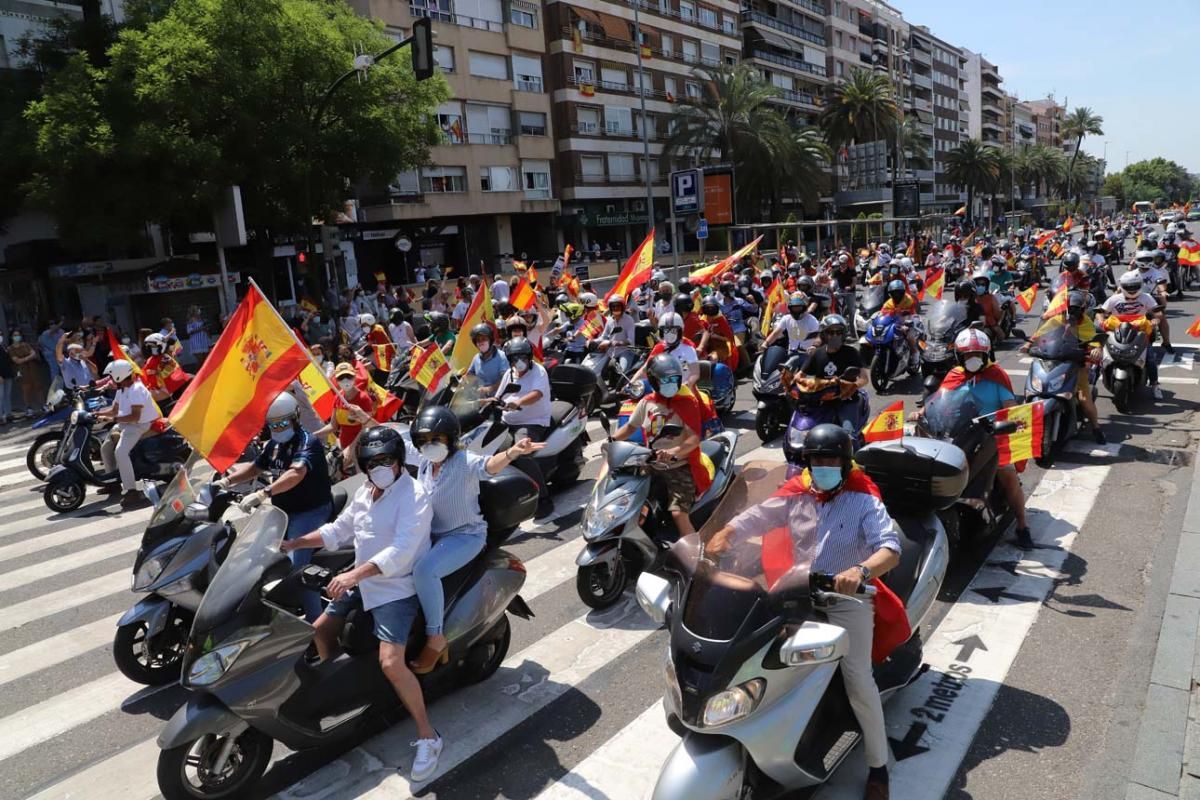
[1048, 117]
[986, 98]
[947, 93]
[489, 191]
[615, 72]
[787, 41]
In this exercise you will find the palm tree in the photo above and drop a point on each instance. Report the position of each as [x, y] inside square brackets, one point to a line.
[1045, 166]
[858, 109]
[974, 165]
[909, 139]
[733, 120]
[1080, 123]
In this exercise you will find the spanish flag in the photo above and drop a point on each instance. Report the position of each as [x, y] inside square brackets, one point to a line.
[1026, 441]
[637, 269]
[1058, 303]
[1044, 237]
[520, 266]
[935, 283]
[386, 403]
[319, 391]
[593, 326]
[1070, 222]
[888, 426]
[383, 355]
[1027, 298]
[523, 296]
[1194, 329]
[479, 311]
[707, 275]
[225, 405]
[775, 298]
[428, 367]
[970, 236]
[1189, 253]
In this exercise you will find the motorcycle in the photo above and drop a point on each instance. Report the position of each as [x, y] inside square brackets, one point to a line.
[626, 524]
[47, 449]
[1058, 355]
[892, 359]
[156, 458]
[769, 391]
[723, 400]
[946, 320]
[753, 686]
[952, 415]
[246, 666]
[872, 300]
[821, 406]
[1123, 364]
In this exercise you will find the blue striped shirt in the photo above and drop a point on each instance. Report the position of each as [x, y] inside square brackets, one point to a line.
[832, 536]
[454, 493]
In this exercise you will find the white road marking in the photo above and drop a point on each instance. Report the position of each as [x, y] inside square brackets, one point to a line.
[129, 775]
[1181, 360]
[51, 603]
[65, 646]
[83, 528]
[1163, 379]
[13, 509]
[81, 558]
[10, 463]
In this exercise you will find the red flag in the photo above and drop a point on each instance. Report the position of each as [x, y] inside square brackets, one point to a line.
[888, 425]
[637, 269]
[1194, 329]
[1042, 238]
[386, 403]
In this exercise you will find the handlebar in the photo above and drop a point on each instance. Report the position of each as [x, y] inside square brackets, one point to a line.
[822, 582]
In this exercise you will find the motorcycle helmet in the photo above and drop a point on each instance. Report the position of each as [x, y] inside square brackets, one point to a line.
[516, 327]
[518, 350]
[380, 441]
[572, 311]
[964, 290]
[884, 248]
[1160, 257]
[744, 286]
[657, 277]
[589, 300]
[709, 306]
[981, 280]
[1070, 261]
[830, 441]
[119, 370]
[366, 320]
[805, 284]
[905, 263]
[728, 288]
[998, 262]
[664, 370]
[615, 302]
[972, 349]
[832, 325]
[396, 317]
[284, 406]
[1077, 304]
[436, 421]
[483, 331]
[682, 304]
[797, 304]
[560, 299]
[1152, 236]
[670, 328]
[154, 344]
[843, 259]
[987, 252]
[1131, 284]
[896, 291]
[685, 286]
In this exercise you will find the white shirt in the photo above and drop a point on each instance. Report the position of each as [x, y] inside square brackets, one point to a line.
[798, 330]
[460, 310]
[684, 353]
[392, 533]
[500, 290]
[619, 332]
[1152, 277]
[1121, 305]
[400, 336]
[136, 394]
[534, 379]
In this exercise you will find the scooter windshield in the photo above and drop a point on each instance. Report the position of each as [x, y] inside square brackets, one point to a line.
[949, 412]
[945, 317]
[182, 491]
[1056, 340]
[255, 548]
[874, 296]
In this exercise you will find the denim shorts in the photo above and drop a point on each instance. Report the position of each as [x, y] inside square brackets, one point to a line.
[393, 621]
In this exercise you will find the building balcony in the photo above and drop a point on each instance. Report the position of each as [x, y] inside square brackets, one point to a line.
[920, 56]
[495, 137]
[802, 99]
[990, 107]
[921, 104]
[662, 11]
[785, 61]
[992, 89]
[613, 130]
[461, 20]
[751, 17]
[616, 88]
[808, 5]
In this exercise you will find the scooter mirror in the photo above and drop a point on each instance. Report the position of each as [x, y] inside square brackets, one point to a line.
[512, 388]
[605, 423]
[1005, 427]
[814, 643]
[670, 432]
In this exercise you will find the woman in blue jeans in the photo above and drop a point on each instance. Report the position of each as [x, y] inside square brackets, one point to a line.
[450, 475]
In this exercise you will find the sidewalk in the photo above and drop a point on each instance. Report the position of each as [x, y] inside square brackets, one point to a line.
[1166, 761]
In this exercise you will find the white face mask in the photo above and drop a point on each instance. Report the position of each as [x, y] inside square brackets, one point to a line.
[435, 452]
[973, 364]
[382, 477]
[320, 359]
[671, 337]
[125, 342]
[347, 384]
[519, 365]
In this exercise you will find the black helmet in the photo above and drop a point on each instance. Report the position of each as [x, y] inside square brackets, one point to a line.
[685, 286]
[397, 316]
[832, 441]
[483, 329]
[1070, 260]
[744, 285]
[505, 308]
[987, 252]
[663, 366]
[432, 421]
[562, 298]
[896, 290]
[682, 304]
[1077, 304]
[964, 289]
[831, 322]
[518, 348]
[380, 441]
[805, 284]
[438, 322]
[710, 304]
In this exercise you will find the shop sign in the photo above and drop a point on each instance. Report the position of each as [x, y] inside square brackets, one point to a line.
[182, 283]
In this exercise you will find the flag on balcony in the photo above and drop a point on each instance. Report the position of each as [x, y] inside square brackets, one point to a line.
[587, 90]
[577, 38]
[670, 97]
[456, 131]
[647, 52]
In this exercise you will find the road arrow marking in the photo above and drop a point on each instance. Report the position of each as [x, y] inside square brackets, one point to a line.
[969, 646]
[910, 745]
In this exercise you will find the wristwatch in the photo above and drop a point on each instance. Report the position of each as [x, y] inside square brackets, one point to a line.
[865, 570]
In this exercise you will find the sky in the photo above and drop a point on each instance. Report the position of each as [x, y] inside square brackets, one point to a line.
[1133, 64]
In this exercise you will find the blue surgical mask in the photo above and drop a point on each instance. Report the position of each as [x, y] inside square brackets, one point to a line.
[669, 388]
[284, 436]
[826, 478]
[980, 289]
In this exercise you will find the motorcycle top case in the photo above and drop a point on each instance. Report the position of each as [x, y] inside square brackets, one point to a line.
[643, 334]
[507, 499]
[916, 474]
[572, 383]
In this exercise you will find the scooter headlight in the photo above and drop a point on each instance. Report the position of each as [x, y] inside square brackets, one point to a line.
[152, 568]
[733, 704]
[1035, 382]
[208, 668]
[796, 437]
[600, 520]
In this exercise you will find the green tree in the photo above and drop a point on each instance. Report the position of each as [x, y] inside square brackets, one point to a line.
[976, 166]
[214, 93]
[859, 109]
[1160, 177]
[1080, 123]
[912, 144]
[733, 120]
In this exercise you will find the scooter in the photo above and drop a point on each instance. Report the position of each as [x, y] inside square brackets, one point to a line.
[1123, 366]
[824, 406]
[722, 400]
[892, 359]
[246, 662]
[768, 390]
[872, 300]
[47, 449]
[946, 320]
[626, 525]
[1057, 358]
[156, 458]
[753, 685]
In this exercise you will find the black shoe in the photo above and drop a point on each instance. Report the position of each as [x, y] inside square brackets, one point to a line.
[1169, 348]
[545, 509]
[1099, 436]
[1024, 539]
[877, 785]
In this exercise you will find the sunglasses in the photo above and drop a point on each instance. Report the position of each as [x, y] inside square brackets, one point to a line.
[280, 425]
[380, 461]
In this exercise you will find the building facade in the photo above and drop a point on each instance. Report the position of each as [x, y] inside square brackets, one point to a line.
[1048, 117]
[786, 41]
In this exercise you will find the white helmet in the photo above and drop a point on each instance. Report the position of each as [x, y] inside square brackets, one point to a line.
[905, 262]
[617, 298]
[1131, 282]
[366, 320]
[589, 300]
[154, 339]
[1171, 227]
[284, 406]
[119, 370]
[971, 340]
[670, 320]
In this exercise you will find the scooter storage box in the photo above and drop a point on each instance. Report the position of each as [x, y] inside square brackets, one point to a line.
[507, 499]
[572, 383]
[643, 334]
[916, 473]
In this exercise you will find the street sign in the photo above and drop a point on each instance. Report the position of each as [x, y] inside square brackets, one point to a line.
[702, 229]
[687, 191]
[404, 244]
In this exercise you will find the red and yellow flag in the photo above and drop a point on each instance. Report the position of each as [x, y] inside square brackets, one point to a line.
[889, 425]
[1026, 441]
[1027, 298]
[1189, 253]
[386, 403]
[1043, 237]
[592, 326]
[1068, 224]
[707, 275]
[1056, 250]
[523, 296]
[568, 251]
[1194, 329]
[225, 405]
[428, 367]
[383, 355]
[962, 212]
[637, 269]
[479, 311]
[935, 282]
[775, 298]
[1058, 303]
[320, 392]
[970, 237]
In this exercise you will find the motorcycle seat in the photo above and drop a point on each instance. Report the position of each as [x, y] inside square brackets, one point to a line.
[715, 449]
[916, 540]
[559, 409]
[340, 497]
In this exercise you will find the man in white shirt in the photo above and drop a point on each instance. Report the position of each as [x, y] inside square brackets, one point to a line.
[388, 521]
[500, 289]
[527, 411]
[800, 326]
[133, 411]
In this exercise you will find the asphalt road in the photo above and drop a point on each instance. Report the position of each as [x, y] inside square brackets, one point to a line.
[572, 713]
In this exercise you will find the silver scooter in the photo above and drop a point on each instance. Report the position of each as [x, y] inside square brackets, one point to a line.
[754, 688]
[626, 526]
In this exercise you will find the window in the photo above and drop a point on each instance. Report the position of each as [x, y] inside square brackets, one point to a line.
[730, 59]
[668, 45]
[710, 53]
[840, 69]
[620, 166]
[523, 14]
[498, 179]
[652, 170]
[585, 72]
[406, 184]
[533, 123]
[782, 81]
[592, 169]
[693, 89]
[670, 88]
[486, 15]
[488, 124]
[613, 78]
[691, 51]
[645, 82]
[587, 120]
[729, 23]
[687, 11]
[648, 122]
[527, 73]
[444, 57]
[536, 177]
[708, 17]
[440, 10]
[443, 180]
[488, 65]
[618, 120]
[450, 120]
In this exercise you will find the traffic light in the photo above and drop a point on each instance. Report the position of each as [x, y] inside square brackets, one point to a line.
[302, 258]
[422, 48]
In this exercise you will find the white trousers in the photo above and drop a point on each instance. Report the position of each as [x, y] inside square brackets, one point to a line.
[115, 450]
[859, 622]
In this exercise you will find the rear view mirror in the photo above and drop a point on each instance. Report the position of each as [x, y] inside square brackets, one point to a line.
[671, 431]
[604, 423]
[512, 388]
[1004, 427]
[814, 643]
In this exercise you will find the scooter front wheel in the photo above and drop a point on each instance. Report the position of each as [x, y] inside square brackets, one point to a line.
[766, 425]
[189, 772]
[64, 494]
[600, 585]
[43, 454]
[151, 664]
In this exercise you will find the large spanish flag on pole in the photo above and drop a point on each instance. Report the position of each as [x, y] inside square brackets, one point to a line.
[637, 269]
[479, 311]
[707, 275]
[225, 405]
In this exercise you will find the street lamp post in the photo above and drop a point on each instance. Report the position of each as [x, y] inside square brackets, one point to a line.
[637, 35]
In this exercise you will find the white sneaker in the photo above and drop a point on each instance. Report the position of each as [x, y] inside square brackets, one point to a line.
[1157, 392]
[425, 764]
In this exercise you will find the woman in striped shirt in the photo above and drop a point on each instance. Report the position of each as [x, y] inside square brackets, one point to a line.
[197, 332]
